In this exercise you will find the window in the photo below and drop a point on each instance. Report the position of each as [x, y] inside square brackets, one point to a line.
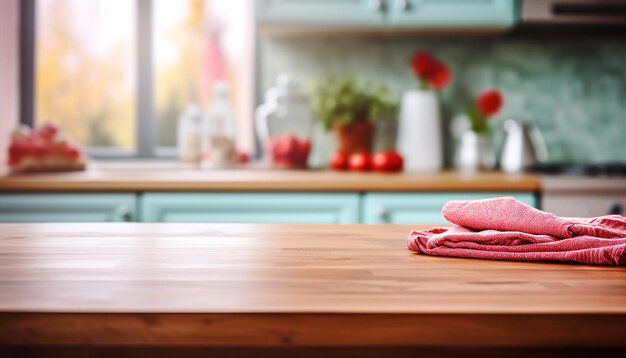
[84, 70]
[116, 74]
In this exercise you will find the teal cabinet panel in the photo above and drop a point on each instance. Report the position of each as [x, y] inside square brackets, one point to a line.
[316, 13]
[20, 208]
[421, 208]
[306, 208]
[453, 13]
[382, 14]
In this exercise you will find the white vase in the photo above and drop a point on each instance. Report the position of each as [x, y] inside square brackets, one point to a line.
[419, 131]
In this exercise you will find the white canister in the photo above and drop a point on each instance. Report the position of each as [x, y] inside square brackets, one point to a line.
[419, 131]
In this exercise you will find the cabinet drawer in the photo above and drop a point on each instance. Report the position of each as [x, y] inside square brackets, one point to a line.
[421, 208]
[67, 207]
[309, 208]
[321, 13]
[453, 13]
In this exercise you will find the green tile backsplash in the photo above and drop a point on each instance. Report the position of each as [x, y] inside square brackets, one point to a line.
[573, 89]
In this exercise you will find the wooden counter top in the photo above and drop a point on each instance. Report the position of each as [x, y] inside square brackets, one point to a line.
[288, 286]
[133, 179]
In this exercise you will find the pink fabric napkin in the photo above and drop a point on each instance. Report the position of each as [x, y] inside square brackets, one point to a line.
[506, 229]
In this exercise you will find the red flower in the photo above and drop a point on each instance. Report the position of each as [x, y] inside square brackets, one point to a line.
[422, 64]
[430, 71]
[489, 103]
[439, 77]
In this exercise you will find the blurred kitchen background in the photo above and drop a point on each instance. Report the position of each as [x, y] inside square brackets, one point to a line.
[86, 56]
[570, 82]
[119, 76]
[572, 87]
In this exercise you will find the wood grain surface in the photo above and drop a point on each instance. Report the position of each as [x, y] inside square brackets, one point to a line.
[168, 178]
[288, 286]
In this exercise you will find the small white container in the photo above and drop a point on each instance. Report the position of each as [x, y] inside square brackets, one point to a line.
[190, 135]
[474, 152]
[419, 131]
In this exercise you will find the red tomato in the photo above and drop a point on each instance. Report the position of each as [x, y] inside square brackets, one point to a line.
[398, 161]
[380, 162]
[305, 146]
[289, 151]
[360, 162]
[388, 161]
[339, 161]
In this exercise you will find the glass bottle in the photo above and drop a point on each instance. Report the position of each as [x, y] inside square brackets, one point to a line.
[219, 142]
[190, 135]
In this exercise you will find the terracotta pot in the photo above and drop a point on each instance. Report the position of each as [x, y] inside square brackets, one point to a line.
[355, 137]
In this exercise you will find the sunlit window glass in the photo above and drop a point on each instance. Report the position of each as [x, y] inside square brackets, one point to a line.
[198, 43]
[85, 69]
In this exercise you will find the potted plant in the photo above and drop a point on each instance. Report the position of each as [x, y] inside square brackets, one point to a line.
[351, 110]
[473, 129]
[419, 130]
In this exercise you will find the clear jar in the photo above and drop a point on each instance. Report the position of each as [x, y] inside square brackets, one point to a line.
[285, 123]
[190, 135]
[219, 138]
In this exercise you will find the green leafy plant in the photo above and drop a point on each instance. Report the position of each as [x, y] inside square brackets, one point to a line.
[345, 100]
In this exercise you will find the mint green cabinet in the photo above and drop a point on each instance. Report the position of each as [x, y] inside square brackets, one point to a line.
[453, 13]
[387, 14]
[336, 13]
[420, 208]
[305, 208]
[16, 208]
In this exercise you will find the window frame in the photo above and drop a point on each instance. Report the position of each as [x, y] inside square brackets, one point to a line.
[146, 145]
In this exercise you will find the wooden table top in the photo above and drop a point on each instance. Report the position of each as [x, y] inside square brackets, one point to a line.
[287, 285]
[172, 178]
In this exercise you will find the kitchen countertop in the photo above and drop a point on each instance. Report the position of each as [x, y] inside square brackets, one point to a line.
[249, 285]
[133, 177]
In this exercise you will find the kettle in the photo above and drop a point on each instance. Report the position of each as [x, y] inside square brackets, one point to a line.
[523, 147]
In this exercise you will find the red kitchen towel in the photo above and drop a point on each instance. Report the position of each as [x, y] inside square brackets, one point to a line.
[506, 229]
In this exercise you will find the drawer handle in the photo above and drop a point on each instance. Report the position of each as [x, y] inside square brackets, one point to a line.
[402, 5]
[122, 213]
[375, 5]
[382, 214]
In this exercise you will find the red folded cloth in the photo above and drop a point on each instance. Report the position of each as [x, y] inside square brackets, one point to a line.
[506, 229]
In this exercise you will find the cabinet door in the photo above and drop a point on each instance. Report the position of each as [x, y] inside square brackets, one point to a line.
[309, 208]
[421, 208]
[321, 13]
[453, 13]
[67, 207]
